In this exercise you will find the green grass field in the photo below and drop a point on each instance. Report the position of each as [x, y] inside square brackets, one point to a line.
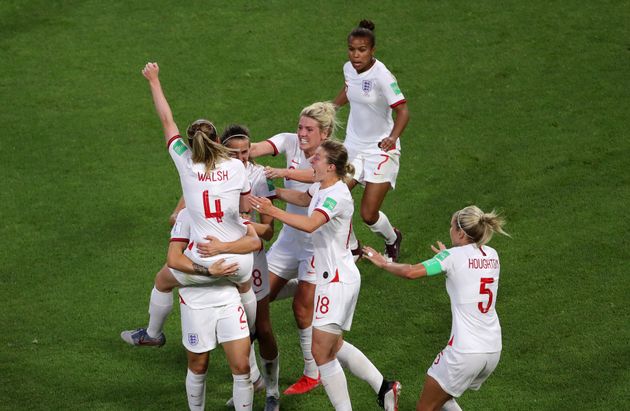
[522, 106]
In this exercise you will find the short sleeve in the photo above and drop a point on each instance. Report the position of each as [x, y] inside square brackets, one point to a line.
[181, 228]
[282, 143]
[330, 205]
[390, 89]
[179, 151]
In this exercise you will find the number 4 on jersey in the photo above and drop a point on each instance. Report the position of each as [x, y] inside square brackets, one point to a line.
[218, 214]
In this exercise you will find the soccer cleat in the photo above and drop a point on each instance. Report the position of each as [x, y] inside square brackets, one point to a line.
[302, 386]
[272, 404]
[140, 337]
[388, 395]
[357, 253]
[392, 251]
[259, 385]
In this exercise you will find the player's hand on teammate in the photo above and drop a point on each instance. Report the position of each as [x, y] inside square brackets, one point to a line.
[440, 247]
[221, 269]
[374, 256]
[211, 248]
[272, 173]
[261, 204]
[151, 71]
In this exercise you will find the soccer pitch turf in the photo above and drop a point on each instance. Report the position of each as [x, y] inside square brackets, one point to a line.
[519, 106]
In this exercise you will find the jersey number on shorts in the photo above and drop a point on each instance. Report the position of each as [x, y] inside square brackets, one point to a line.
[257, 277]
[484, 290]
[208, 211]
[322, 304]
[242, 319]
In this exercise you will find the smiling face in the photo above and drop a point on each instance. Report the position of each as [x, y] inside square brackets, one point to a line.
[310, 136]
[239, 149]
[361, 53]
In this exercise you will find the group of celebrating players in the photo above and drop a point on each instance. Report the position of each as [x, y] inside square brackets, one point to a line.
[225, 279]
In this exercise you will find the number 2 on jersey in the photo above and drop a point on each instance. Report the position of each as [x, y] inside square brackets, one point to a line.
[484, 290]
[208, 211]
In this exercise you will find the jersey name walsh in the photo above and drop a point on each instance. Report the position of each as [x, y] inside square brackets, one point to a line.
[217, 175]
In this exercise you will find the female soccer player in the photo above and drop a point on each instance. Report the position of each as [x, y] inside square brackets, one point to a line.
[291, 255]
[472, 279]
[329, 219]
[237, 139]
[214, 185]
[372, 137]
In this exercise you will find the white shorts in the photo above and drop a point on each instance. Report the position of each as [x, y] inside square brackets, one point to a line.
[335, 304]
[245, 262]
[291, 256]
[456, 372]
[260, 275]
[203, 329]
[377, 168]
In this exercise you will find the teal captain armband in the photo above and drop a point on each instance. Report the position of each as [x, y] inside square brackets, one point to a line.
[433, 266]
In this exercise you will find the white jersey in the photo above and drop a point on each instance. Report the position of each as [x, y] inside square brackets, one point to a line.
[333, 259]
[213, 198]
[472, 281]
[372, 95]
[219, 292]
[260, 185]
[288, 144]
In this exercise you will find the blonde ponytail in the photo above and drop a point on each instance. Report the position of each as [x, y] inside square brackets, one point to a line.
[479, 226]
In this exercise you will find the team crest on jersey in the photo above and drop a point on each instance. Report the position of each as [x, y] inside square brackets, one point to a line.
[395, 88]
[193, 339]
[329, 203]
[179, 147]
[366, 86]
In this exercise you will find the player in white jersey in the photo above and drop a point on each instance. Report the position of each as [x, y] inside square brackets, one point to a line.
[338, 280]
[472, 280]
[291, 254]
[214, 185]
[237, 139]
[372, 136]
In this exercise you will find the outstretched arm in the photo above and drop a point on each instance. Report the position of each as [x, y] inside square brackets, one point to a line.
[298, 198]
[408, 271]
[151, 72]
[303, 223]
[305, 175]
[262, 148]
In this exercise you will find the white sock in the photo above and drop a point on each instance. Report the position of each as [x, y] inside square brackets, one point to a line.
[383, 228]
[242, 392]
[335, 384]
[289, 290]
[310, 368]
[196, 390]
[451, 405]
[357, 363]
[248, 299]
[254, 372]
[271, 374]
[160, 306]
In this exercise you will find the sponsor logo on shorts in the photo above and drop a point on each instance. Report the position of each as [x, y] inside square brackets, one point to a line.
[395, 88]
[193, 339]
[179, 147]
[329, 203]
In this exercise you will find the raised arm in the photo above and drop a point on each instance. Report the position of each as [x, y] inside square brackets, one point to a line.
[298, 198]
[151, 72]
[303, 223]
[408, 271]
[260, 149]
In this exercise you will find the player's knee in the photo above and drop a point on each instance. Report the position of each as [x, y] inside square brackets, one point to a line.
[369, 216]
[240, 366]
[198, 367]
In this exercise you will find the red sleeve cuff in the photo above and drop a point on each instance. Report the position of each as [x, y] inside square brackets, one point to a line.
[396, 104]
[324, 213]
[170, 141]
[179, 240]
[247, 192]
[275, 149]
